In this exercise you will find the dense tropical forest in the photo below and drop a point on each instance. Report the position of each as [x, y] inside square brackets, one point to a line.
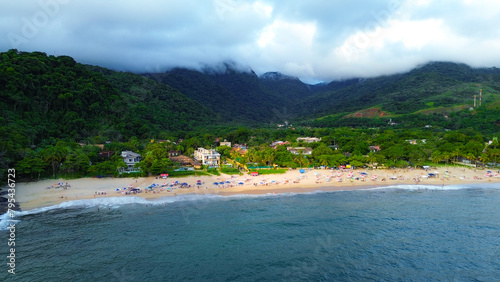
[65, 119]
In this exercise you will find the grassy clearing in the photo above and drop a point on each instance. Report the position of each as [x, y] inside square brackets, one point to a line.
[187, 173]
[230, 171]
[270, 171]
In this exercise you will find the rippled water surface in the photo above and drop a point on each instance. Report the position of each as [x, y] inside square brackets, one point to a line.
[401, 233]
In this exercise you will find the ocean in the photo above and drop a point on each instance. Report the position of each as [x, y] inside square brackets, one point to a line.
[411, 233]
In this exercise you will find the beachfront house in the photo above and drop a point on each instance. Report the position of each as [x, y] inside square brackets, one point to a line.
[186, 161]
[207, 157]
[130, 158]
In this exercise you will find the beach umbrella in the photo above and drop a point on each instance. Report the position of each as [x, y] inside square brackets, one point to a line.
[364, 173]
[302, 171]
[117, 189]
[216, 183]
[240, 183]
[228, 181]
[199, 183]
[221, 183]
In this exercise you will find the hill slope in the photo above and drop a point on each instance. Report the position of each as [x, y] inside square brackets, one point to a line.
[434, 84]
[45, 96]
[239, 96]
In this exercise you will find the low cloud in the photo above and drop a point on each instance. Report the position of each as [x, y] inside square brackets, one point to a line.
[314, 40]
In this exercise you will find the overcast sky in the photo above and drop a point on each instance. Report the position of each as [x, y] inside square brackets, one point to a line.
[315, 40]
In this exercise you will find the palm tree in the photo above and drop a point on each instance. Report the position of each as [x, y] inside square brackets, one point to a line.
[251, 155]
[372, 158]
[268, 155]
[437, 157]
[457, 153]
[471, 157]
[324, 161]
[300, 159]
[54, 155]
[446, 157]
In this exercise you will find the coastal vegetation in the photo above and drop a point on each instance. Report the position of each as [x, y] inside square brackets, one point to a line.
[64, 119]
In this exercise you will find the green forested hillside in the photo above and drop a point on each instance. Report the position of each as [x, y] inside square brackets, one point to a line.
[203, 89]
[432, 91]
[51, 96]
[49, 103]
[239, 96]
[46, 98]
[156, 107]
[432, 85]
[436, 94]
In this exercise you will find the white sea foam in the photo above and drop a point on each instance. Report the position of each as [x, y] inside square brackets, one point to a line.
[440, 187]
[6, 220]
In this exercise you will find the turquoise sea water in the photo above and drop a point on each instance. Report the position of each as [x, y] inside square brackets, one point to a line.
[398, 233]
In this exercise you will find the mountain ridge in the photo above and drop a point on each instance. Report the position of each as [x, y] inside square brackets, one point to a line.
[231, 94]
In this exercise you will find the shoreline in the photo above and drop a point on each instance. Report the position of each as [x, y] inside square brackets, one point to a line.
[36, 195]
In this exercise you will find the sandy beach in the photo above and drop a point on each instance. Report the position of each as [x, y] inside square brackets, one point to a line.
[38, 194]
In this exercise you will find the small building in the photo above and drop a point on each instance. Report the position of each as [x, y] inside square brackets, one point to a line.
[275, 144]
[130, 158]
[415, 141]
[173, 153]
[106, 154]
[374, 149]
[186, 161]
[240, 149]
[308, 139]
[225, 143]
[207, 157]
[298, 150]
